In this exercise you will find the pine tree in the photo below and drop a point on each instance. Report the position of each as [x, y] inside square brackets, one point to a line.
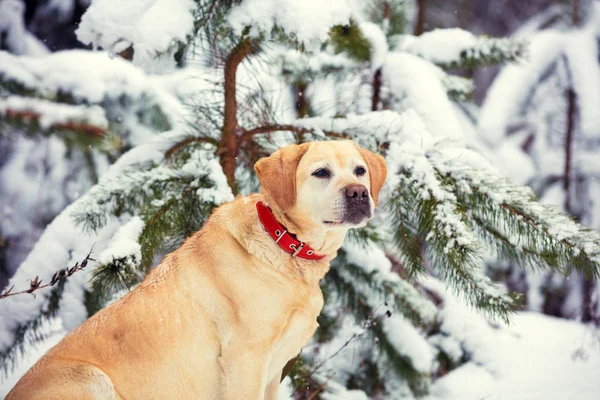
[239, 79]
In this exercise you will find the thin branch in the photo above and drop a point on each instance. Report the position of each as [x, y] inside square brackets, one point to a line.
[247, 134]
[179, 145]
[571, 110]
[36, 283]
[370, 322]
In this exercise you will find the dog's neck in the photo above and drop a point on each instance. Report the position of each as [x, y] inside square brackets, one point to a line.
[259, 243]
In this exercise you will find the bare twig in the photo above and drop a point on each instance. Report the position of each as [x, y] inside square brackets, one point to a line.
[36, 283]
[371, 321]
[320, 388]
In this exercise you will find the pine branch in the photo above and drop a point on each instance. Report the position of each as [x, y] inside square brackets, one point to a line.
[450, 243]
[487, 51]
[544, 230]
[362, 305]
[457, 87]
[30, 332]
[387, 287]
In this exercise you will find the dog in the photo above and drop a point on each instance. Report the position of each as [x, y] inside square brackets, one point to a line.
[221, 316]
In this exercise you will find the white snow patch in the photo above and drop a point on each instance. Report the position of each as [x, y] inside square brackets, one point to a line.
[309, 20]
[379, 47]
[440, 45]
[150, 26]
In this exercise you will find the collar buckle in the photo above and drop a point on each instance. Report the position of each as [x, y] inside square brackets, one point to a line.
[296, 249]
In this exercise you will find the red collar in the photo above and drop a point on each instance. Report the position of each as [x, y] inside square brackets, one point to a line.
[282, 237]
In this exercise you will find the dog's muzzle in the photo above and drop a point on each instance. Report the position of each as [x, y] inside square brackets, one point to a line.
[358, 205]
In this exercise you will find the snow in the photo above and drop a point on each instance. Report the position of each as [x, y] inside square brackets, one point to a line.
[507, 94]
[52, 114]
[451, 46]
[61, 245]
[441, 46]
[124, 244]
[408, 342]
[309, 20]
[54, 333]
[17, 38]
[375, 263]
[89, 76]
[581, 51]
[416, 84]
[535, 357]
[379, 47]
[150, 26]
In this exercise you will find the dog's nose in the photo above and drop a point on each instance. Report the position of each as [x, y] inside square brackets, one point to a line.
[357, 193]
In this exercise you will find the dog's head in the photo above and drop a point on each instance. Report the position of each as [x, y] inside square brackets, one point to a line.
[331, 183]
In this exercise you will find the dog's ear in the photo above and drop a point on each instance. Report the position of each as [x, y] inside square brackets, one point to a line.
[377, 171]
[277, 174]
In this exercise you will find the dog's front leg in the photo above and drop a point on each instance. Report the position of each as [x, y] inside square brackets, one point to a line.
[244, 373]
[272, 390]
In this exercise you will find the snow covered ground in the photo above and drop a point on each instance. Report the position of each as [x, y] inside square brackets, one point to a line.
[539, 357]
[535, 358]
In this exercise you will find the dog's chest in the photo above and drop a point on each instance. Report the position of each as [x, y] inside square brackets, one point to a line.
[299, 329]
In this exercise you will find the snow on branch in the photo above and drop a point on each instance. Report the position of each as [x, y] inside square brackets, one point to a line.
[540, 231]
[156, 29]
[119, 265]
[457, 48]
[299, 66]
[455, 202]
[369, 265]
[201, 175]
[307, 21]
[120, 88]
[404, 350]
[46, 116]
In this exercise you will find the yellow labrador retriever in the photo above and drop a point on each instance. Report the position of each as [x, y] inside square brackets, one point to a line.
[220, 317]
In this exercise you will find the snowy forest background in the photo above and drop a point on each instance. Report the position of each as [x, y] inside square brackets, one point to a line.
[89, 89]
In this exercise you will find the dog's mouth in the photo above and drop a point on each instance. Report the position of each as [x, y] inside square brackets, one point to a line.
[353, 218]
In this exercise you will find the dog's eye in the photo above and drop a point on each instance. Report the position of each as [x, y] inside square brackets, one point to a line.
[360, 171]
[321, 173]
